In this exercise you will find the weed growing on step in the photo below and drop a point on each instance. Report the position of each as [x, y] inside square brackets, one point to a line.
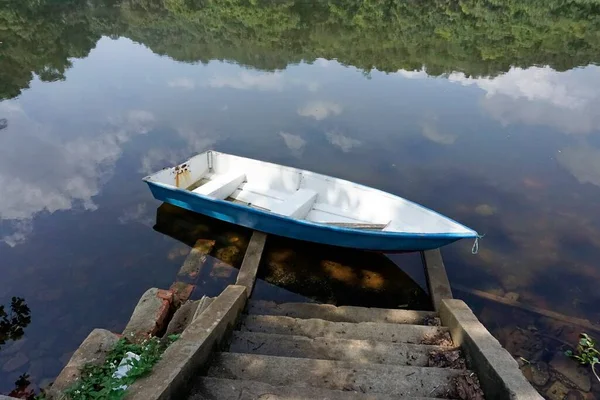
[586, 353]
[98, 382]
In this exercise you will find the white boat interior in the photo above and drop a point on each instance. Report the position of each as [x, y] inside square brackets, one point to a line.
[301, 194]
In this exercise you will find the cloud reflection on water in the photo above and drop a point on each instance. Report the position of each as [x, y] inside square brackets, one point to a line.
[182, 83]
[246, 80]
[565, 100]
[430, 130]
[39, 172]
[293, 142]
[70, 171]
[342, 141]
[320, 109]
[583, 162]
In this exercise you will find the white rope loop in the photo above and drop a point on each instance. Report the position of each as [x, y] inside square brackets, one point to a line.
[475, 248]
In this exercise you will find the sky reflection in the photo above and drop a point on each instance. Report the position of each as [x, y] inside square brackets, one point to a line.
[515, 156]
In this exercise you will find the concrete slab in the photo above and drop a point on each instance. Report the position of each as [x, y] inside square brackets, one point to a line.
[437, 279]
[498, 372]
[182, 317]
[2, 397]
[335, 375]
[93, 350]
[332, 313]
[229, 389]
[249, 268]
[395, 333]
[359, 351]
[203, 304]
[172, 375]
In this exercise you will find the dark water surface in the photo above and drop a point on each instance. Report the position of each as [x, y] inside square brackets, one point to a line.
[488, 112]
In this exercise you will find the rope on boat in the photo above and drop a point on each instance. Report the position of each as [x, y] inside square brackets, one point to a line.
[475, 248]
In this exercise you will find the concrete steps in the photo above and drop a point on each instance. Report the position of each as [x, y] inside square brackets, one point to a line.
[332, 313]
[335, 375]
[358, 351]
[300, 351]
[313, 328]
[235, 389]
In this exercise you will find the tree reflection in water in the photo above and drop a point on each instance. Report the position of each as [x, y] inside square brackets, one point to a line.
[13, 323]
[475, 37]
[12, 327]
[22, 390]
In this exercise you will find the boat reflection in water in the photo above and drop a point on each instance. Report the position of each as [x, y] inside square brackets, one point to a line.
[293, 270]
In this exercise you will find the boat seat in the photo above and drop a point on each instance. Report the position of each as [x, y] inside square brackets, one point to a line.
[253, 199]
[298, 205]
[221, 186]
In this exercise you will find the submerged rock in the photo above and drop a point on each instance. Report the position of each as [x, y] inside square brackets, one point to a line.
[231, 255]
[575, 395]
[512, 296]
[537, 373]
[521, 343]
[195, 260]
[557, 391]
[572, 371]
[177, 252]
[222, 270]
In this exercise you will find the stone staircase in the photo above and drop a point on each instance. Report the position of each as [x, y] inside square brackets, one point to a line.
[301, 351]
[314, 351]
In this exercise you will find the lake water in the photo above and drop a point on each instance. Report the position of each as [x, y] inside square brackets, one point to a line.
[488, 113]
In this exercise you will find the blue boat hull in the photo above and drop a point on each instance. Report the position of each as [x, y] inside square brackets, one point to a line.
[299, 229]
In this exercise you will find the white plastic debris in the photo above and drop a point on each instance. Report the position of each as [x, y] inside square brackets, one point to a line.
[124, 367]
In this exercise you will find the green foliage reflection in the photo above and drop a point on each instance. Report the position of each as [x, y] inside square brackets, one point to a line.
[477, 37]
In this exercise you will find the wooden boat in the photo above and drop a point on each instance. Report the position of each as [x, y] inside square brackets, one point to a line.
[302, 205]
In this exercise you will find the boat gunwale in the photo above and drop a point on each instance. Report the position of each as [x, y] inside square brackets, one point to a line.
[404, 235]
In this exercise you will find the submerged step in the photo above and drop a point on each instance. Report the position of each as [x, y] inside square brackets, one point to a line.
[359, 351]
[332, 313]
[381, 332]
[336, 375]
[230, 389]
